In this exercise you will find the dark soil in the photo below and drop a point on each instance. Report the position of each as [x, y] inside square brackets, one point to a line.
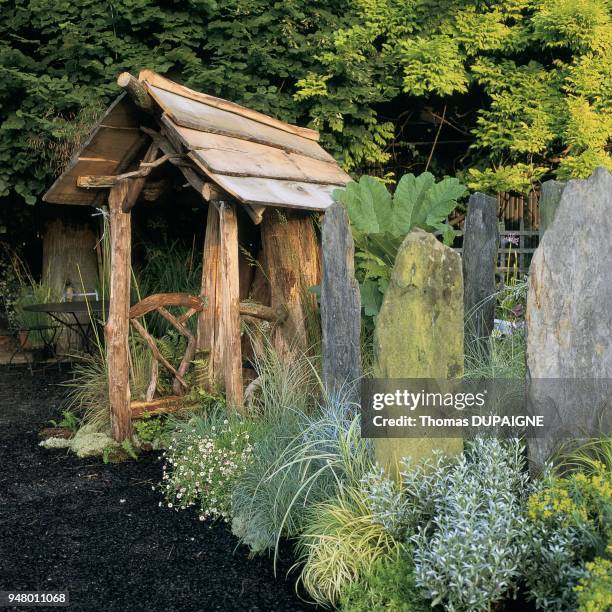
[97, 531]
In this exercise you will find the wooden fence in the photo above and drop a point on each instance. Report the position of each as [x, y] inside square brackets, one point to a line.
[519, 222]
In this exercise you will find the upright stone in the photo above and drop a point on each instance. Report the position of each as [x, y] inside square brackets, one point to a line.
[550, 197]
[340, 305]
[569, 303]
[419, 331]
[480, 244]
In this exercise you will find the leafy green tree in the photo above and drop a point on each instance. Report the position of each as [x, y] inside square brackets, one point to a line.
[524, 82]
[539, 73]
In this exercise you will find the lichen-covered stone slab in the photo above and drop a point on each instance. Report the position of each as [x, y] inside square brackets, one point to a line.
[569, 303]
[419, 331]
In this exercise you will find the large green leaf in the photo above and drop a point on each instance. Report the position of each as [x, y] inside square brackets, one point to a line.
[408, 201]
[368, 204]
[441, 200]
[371, 297]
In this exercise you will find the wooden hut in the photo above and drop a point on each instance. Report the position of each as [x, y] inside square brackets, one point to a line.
[238, 160]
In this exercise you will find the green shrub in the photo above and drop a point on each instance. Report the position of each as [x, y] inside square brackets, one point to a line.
[69, 421]
[570, 523]
[594, 590]
[390, 585]
[152, 429]
[29, 294]
[470, 556]
[340, 544]
[464, 518]
[204, 461]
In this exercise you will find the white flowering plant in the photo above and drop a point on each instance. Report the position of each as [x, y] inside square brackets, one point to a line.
[203, 462]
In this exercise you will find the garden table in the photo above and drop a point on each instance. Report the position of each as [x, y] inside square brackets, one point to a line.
[73, 309]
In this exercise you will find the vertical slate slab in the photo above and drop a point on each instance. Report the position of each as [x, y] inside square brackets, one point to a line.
[569, 306]
[340, 305]
[480, 245]
[550, 197]
[419, 332]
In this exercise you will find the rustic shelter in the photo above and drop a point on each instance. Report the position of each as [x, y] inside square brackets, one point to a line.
[248, 167]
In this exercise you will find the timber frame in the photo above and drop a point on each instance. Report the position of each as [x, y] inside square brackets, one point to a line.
[237, 160]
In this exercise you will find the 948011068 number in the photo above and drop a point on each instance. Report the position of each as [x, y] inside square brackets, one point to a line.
[34, 598]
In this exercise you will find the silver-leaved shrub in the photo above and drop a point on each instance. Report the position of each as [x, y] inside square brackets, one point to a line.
[465, 520]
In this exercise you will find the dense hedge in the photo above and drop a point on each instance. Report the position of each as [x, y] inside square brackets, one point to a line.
[524, 81]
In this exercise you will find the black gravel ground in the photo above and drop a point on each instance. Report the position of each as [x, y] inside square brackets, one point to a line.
[97, 531]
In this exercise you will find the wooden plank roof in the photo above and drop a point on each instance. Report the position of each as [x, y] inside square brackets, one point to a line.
[257, 159]
[114, 139]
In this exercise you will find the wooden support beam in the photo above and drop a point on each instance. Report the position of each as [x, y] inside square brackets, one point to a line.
[230, 305]
[209, 317]
[154, 301]
[118, 322]
[137, 184]
[137, 91]
[163, 405]
[278, 314]
[212, 193]
[292, 261]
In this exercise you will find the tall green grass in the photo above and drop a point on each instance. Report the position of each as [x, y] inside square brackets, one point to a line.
[309, 444]
[88, 389]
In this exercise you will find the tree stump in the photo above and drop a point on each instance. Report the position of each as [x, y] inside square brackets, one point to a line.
[291, 254]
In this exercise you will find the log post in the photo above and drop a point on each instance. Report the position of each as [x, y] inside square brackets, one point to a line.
[230, 305]
[340, 306]
[208, 318]
[291, 254]
[118, 322]
[137, 184]
[137, 91]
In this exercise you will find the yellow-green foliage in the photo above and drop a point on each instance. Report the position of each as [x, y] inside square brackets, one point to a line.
[594, 591]
[340, 544]
[580, 500]
[570, 528]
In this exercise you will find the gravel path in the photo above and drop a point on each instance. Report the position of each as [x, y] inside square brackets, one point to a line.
[98, 532]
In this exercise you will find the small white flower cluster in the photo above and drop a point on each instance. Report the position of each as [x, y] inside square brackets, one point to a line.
[201, 470]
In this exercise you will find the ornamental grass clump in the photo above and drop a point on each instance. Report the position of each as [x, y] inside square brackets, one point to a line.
[203, 463]
[302, 460]
[340, 544]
